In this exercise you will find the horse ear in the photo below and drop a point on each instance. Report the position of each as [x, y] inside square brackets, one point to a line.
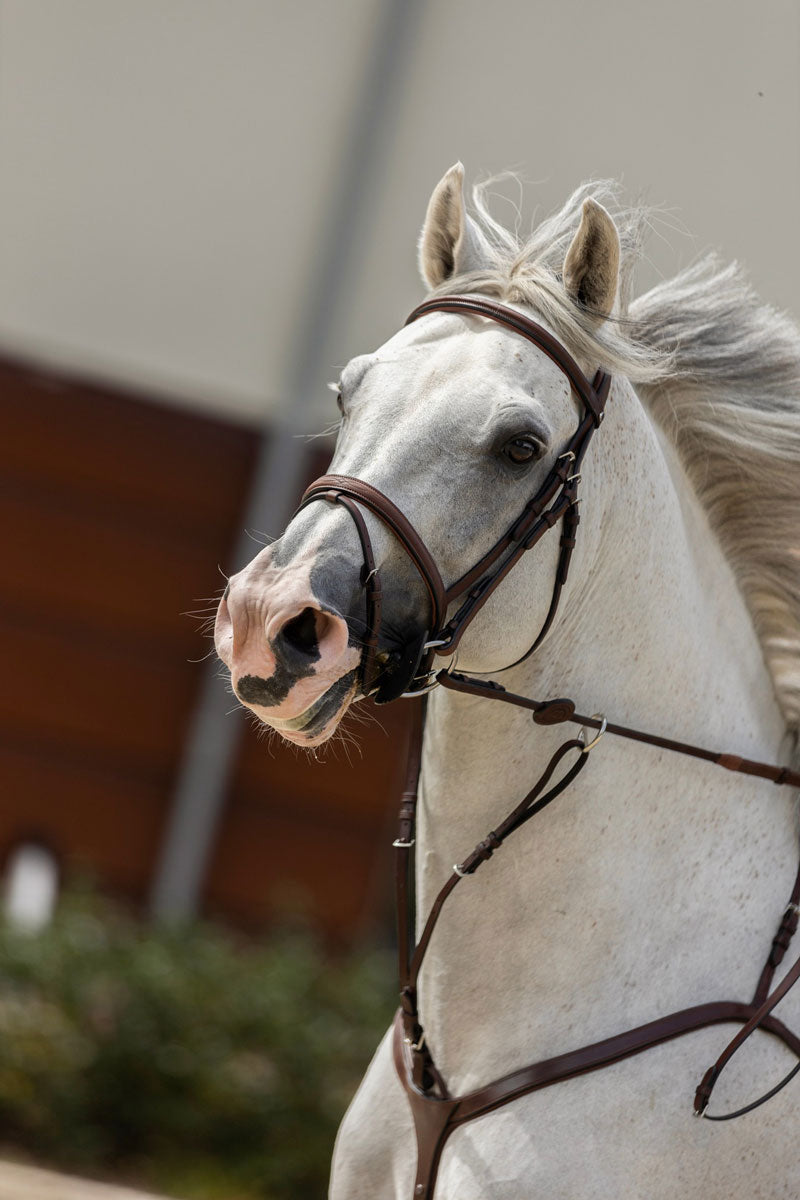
[451, 242]
[591, 267]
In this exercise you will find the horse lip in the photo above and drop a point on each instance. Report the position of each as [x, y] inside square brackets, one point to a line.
[297, 724]
[331, 704]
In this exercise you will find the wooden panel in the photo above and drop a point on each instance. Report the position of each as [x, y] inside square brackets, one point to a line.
[167, 466]
[114, 514]
[132, 579]
[107, 697]
[359, 776]
[314, 834]
[98, 821]
[273, 858]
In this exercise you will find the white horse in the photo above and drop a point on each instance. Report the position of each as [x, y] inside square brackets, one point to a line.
[654, 882]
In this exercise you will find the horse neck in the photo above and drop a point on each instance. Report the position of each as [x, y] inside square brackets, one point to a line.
[652, 883]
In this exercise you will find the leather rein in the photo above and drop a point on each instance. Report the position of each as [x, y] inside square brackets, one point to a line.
[435, 1111]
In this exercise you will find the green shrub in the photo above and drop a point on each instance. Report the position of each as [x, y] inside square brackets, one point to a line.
[182, 1059]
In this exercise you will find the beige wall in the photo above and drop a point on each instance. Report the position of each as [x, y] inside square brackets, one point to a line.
[163, 163]
[166, 164]
[667, 97]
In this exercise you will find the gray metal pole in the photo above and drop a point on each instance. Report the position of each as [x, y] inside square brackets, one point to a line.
[214, 737]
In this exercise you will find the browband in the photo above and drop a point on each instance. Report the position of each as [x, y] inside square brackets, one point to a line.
[541, 337]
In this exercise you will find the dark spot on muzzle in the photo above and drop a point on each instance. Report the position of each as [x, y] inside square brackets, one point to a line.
[268, 693]
[337, 587]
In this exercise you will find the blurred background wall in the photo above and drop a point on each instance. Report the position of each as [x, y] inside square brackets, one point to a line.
[206, 207]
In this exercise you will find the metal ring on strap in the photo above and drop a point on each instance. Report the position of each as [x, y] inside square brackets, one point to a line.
[587, 746]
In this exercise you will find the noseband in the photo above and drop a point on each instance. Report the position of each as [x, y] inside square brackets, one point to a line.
[436, 1113]
[556, 500]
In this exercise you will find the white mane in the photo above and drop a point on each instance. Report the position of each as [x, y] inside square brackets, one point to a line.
[720, 373]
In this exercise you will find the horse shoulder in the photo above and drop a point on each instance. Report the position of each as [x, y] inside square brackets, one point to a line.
[375, 1150]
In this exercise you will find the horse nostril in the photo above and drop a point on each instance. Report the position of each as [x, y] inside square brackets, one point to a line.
[301, 632]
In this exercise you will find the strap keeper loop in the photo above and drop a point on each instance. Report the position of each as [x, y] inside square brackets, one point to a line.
[408, 1003]
[482, 851]
[786, 931]
[704, 1090]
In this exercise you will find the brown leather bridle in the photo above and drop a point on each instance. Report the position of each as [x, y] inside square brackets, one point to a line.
[556, 500]
[435, 1111]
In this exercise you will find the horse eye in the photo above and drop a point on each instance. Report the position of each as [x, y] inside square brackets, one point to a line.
[340, 403]
[522, 449]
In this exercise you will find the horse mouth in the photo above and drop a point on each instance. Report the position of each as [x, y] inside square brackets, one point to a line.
[319, 721]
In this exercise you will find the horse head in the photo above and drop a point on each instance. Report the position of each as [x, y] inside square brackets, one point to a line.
[458, 422]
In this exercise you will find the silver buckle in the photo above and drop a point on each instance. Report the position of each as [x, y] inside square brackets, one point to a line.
[403, 845]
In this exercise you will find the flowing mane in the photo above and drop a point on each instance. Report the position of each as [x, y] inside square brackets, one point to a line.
[720, 373]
